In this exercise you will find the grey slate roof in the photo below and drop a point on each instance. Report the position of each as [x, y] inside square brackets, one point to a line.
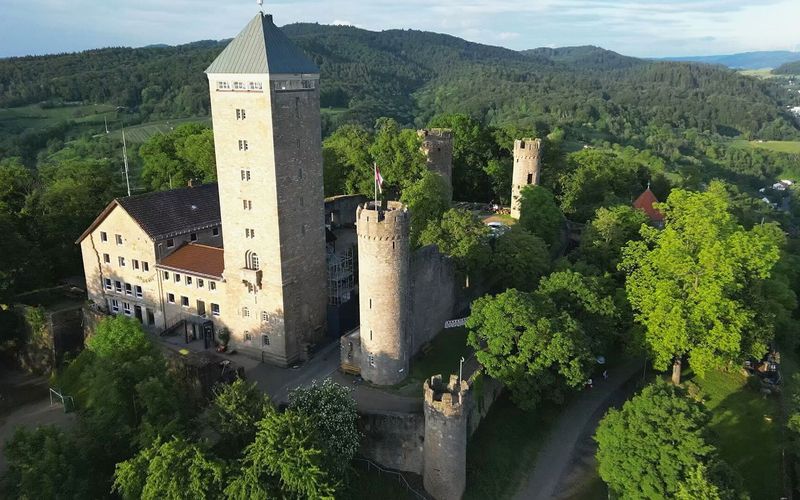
[167, 213]
[262, 48]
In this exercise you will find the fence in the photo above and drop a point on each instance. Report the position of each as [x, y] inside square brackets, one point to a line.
[66, 401]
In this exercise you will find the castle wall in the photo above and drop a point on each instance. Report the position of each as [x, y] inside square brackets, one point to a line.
[433, 295]
[340, 211]
[437, 146]
[527, 168]
[393, 440]
[383, 268]
[445, 445]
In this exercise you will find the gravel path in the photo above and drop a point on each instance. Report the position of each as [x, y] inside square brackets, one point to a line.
[558, 453]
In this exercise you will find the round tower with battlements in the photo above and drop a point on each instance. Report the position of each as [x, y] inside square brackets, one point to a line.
[527, 167]
[383, 270]
[445, 447]
[437, 146]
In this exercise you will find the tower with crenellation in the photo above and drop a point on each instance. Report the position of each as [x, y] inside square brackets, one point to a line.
[267, 136]
[437, 146]
[527, 168]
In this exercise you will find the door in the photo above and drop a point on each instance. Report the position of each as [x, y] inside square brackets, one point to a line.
[137, 311]
[201, 308]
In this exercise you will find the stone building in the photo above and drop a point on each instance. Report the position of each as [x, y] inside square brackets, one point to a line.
[437, 146]
[527, 167]
[160, 257]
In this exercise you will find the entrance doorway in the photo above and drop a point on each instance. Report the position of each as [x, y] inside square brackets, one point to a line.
[137, 312]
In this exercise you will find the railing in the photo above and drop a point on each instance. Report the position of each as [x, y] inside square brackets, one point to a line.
[56, 395]
[400, 478]
[174, 328]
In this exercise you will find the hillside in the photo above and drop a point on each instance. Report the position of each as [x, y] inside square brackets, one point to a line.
[413, 75]
[745, 60]
[792, 68]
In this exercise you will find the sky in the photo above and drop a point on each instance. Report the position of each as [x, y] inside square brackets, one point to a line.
[650, 28]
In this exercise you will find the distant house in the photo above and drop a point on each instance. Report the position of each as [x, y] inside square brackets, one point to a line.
[645, 202]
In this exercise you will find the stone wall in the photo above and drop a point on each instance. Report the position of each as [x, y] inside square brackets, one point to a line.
[340, 211]
[446, 409]
[527, 169]
[393, 440]
[433, 295]
[437, 146]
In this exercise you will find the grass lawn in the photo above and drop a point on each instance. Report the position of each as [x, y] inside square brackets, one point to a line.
[792, 147]
[501, 453]
[442, 358]
[747, 430]
[34, 116]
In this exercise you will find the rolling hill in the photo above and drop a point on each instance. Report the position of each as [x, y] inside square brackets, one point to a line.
[745, 60]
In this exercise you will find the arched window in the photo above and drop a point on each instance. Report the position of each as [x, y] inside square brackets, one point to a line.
[251, 260]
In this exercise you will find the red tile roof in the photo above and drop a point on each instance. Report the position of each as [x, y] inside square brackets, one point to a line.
[645, 202]
[197, 259]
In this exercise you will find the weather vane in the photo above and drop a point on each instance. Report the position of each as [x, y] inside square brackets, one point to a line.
[260, 5]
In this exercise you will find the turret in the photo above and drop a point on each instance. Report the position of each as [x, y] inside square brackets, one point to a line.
[383, 270]
[527, 166]
[445, 447]
[437, 146]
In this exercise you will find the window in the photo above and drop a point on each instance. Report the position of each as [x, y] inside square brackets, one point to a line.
[255, 86]
[371, 359]
[166, 275]
[128, 289]
[212, 285]
[530, 178]
[193, 237]
[251, 260]
[245, 312]
[249, 233]
[171, 298]
[118, 286]
[188, 280]
[242, 144]
[370, 334]
[247, 204]
[177, 277]
[135, 263]
[107, 282]
[118, 237]
[170, 243]
[264, 340]
[184, 301]
[145, 266]
[103, 236]
[238, 86]
[215, 309]
[114, 305]
[370, 303]
[240, 114]
[245, 175]
[248, 337]
[300, 174]
[307, 84]
[303, 229]
[223, 86]
[264, 316]
[139, 293]
[199, 282]
[126, 308]
[106, 258]
[121, 261]
[215, 231]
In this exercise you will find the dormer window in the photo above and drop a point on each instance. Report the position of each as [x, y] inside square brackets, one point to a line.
[238, 86]
[255, 86]
[223, 86]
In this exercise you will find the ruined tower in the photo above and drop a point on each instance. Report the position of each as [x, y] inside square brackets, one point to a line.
[527, 166]
[437, 146]
[383, 271]
[267, 137]
[445, 447]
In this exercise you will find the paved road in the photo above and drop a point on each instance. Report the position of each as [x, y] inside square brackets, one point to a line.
[557, 454]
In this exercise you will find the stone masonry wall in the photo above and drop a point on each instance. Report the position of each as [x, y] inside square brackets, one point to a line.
[445, 447]
[527, 167]
[433, 295]
[393, 440]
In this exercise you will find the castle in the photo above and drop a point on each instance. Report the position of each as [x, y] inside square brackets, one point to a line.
[527, 167]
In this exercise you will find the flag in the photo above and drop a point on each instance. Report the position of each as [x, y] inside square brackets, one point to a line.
[378, 178]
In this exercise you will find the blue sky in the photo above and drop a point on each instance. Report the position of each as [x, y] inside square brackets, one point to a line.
[646, 28]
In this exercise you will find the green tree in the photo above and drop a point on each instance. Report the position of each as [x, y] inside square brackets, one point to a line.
[282, 461]
[499, 171]
[519, 259]
[605, 236]
[234, 413]
[462, 236]
[333, 413]
[540, 214]
[176, 469]
[171, 160]
[687, 283]
[652, 447]
[427, 199]
[536, 350]
[347, 166]
[16, 184]
[397, 152]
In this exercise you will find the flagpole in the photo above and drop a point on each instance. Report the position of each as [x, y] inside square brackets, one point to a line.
[375, 182]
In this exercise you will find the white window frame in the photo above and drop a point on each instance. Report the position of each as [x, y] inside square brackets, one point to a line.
[121, 261]
[145, 266]
[118, 286]
[184, 301]
[170, 297]
[114, 305]
[138, 291]
[106, 258]
[103, 236]
[188, 281]
[135, 263]
[264, 340]
[128, 289]
[127, 309]
[170, 243]
[108, 284]
[223, 85]
[215, 311]
[243, 145]
[118, 239]
[212, 285]
[199, 282]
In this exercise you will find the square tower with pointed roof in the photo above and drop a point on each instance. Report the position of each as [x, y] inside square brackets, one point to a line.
[267, 136]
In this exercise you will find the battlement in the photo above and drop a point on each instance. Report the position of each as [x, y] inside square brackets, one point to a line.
[528, 145]
[391, 223]
[435, 133]
[448, 399]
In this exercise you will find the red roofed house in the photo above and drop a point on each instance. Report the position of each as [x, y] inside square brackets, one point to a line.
[645, 203]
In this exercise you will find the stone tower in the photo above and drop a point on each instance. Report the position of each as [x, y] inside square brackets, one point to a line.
[383, 274]
[437, 146]
[267, 136]
[527, 166]
[445, 447]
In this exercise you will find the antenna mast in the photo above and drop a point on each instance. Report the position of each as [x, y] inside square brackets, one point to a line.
[260, 5]
[125, 159]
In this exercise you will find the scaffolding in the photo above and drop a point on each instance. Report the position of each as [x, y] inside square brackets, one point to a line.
[340, 277]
